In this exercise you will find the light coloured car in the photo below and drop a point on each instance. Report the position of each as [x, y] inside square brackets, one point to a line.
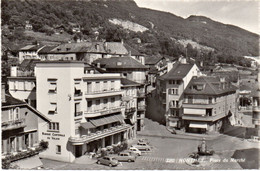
[143, 141]
[108, 160]
[125, 156]
[142, 146]
[135, 151]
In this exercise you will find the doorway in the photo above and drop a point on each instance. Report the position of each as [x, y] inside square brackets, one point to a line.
[78, 151]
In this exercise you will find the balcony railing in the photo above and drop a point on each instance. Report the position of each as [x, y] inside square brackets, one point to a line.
[102, 93]
[78, 113]
[130, 110]
[141, 107]
[174, 106]
[98, 135]
[256, 108]
[13, 124]
[104, 111]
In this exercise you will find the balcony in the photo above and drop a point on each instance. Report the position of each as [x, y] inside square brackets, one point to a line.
[100, 112]
[18, 123]
[203, 118]
[198, 105]
[98, 135]
[130, 110]
[141, 107]
[78, 114]
[256, 108]
[256, 121]
[103, 93]
[78, 94]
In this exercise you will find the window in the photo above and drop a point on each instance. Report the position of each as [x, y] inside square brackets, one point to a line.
[58, 149]
[54, 126]
[210, 100]
[97, 104]
[105, 86]
[52, 87]
[112, 85]
[16, 113]
[11, 114]
[89, 105]
[77, 111]
[77, 89]
[89, 87]
[53, 108]
[112, 102]
[190, 99]
[105, 103]
[125, 74]
[173, 91]
[170, 81]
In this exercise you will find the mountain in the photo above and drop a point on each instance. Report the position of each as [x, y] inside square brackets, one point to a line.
[165, 30]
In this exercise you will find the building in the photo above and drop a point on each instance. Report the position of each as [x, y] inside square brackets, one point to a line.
[44, 53]
[134, 101]
[20, 125]
[256, 109]
[135, 54]
[170, 88]
[85, 108]
[29, 52]
[208, 102]
[22, 82]
[28, 26]
[127, 66]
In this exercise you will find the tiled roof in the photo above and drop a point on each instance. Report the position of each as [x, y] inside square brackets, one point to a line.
[126, 82]
[46, 49]
[28, 64]
[31, 47]
[10, 100]
[133, 51]
[120, 62]
[116, 48]
[178, 71]
[210, 86]
[152, 60]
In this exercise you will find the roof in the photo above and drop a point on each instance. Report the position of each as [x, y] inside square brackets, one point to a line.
[46, 49]
[210, 86]
[126, 82]
[255, 93]
[28, 64]
[178, 71]
[152, 60]
[116, 48]
[120, 62]
[94, 47]
[31, 47]
[10, 100]
[133, 51]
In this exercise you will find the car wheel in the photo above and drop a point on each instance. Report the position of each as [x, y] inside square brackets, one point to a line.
[98, 162]
[139, 154]
[110, 165]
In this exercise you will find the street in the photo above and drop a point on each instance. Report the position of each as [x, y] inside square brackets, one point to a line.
[171, 152]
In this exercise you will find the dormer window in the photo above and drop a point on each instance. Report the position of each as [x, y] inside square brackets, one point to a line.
[58, 49]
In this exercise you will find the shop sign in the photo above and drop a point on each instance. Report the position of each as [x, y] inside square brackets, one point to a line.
[53, 136]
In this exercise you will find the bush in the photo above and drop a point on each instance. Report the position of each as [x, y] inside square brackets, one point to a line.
[44, 144]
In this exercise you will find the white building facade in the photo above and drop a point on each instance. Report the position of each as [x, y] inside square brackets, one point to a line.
[86, 110]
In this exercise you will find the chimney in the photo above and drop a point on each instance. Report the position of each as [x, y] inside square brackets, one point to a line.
[105, 45]
[201, 63]
[13, 71]
[98, 65]
[3, 94]
[122, 41]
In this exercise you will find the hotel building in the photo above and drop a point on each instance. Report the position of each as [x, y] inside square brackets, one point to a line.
[85, 108]
[208, 102]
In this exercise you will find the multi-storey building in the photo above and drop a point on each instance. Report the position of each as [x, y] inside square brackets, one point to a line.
[127, 66]
[29, 52]
[85, 109]
[22, 82]
[208, 101]
[20, 125]
[170, 88]
[256, 109]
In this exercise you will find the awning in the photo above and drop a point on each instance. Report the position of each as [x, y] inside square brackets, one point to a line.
[87, 125]
[107, 120]
[53, 107]
[52, 87]
[128, 121]
[29, 163]
[77, 86]
[198, 125]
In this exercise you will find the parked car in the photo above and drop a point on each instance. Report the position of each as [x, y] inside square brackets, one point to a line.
[142, 146]
[108, 160]
[125, 156]
[135, 151]
[143, 141]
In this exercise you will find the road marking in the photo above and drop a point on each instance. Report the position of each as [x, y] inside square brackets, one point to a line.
[154, 159]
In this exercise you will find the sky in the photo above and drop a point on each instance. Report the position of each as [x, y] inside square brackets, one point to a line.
[242, 13]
